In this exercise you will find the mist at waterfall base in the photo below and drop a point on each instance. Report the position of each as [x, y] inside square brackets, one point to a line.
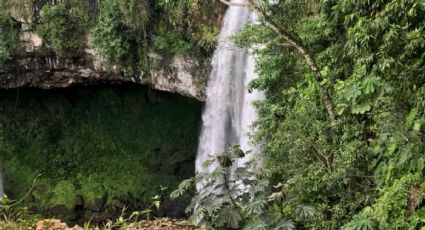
[229, 112]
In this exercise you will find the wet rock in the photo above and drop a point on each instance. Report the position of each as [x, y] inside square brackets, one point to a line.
[48, 71]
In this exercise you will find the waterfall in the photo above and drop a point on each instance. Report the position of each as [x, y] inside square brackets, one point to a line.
[1, 186]
[1, 166]
[229, 112]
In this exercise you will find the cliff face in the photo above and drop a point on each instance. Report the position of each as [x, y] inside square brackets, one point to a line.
[34, 67]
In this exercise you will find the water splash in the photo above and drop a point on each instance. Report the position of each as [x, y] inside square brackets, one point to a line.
[229, 112]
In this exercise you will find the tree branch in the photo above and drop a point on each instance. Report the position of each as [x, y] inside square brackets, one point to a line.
[305, 53]
[302, 50]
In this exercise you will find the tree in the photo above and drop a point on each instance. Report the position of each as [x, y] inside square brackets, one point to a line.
[8, 37]
[60, 30]
[293, 40]
[370, 56]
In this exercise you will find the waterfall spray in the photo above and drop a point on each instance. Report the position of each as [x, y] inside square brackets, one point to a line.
[229, 112]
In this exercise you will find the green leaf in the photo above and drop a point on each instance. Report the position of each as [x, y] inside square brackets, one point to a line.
[230, 217]
[305, 212]
[353, 93]
[369, 85]
[361, 221]
[417, 127]
[421, 214]
[285, 225]
[361, 109]
[256, 207]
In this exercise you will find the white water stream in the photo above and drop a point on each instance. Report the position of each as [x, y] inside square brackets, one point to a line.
[1, 186]
[229, 112]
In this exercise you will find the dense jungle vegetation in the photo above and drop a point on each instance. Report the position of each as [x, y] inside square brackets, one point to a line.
[121, 32]
[342, 126]
[98, 149]
[359, 163]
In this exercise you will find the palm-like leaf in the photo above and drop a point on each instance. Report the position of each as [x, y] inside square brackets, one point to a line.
[285, 225]
[304, 212]
[361, 221]
[230, 217]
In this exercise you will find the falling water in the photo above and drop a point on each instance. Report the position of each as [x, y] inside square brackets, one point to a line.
[229, 112]
[1, 186]
[1, 175]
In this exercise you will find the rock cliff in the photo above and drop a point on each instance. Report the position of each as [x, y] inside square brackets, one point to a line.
[34, 67]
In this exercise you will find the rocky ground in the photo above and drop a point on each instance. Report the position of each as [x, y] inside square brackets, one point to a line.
[53, 224]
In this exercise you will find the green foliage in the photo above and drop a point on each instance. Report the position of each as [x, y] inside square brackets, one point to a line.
[171, 42]
[235, 197]
[63, 194]
[114, 40]
[136, 13]
[371, 57]
[20, 9]
[194, 21]
[122, 32]
[125, 31]
[361, 221]
[8, 37]
[117, 144]
[60, 30]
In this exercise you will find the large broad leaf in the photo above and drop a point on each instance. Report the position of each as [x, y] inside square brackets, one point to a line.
[304, 212]
[361, 109]
[353, 93]
[257, 225]
[230, 217]
[285, 225]
[369, 84]
[261, 186]
[361, 221]
[257, 206]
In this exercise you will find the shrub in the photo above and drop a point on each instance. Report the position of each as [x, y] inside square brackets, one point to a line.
[60, 30]
[236, 197]
[112, 39]
[172, 42]
[8, 37]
